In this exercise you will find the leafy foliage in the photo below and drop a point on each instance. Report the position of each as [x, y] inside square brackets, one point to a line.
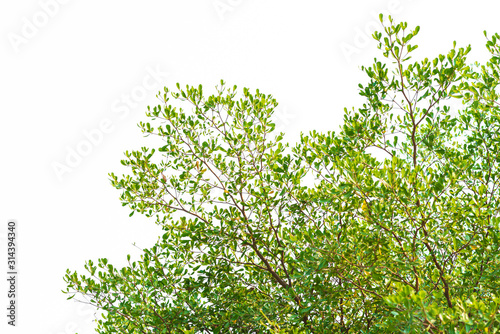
[390, 225]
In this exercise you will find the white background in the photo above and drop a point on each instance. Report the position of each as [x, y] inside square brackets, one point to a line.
[67, 66]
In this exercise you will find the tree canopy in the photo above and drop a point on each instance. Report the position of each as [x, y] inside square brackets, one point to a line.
[388, 225]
